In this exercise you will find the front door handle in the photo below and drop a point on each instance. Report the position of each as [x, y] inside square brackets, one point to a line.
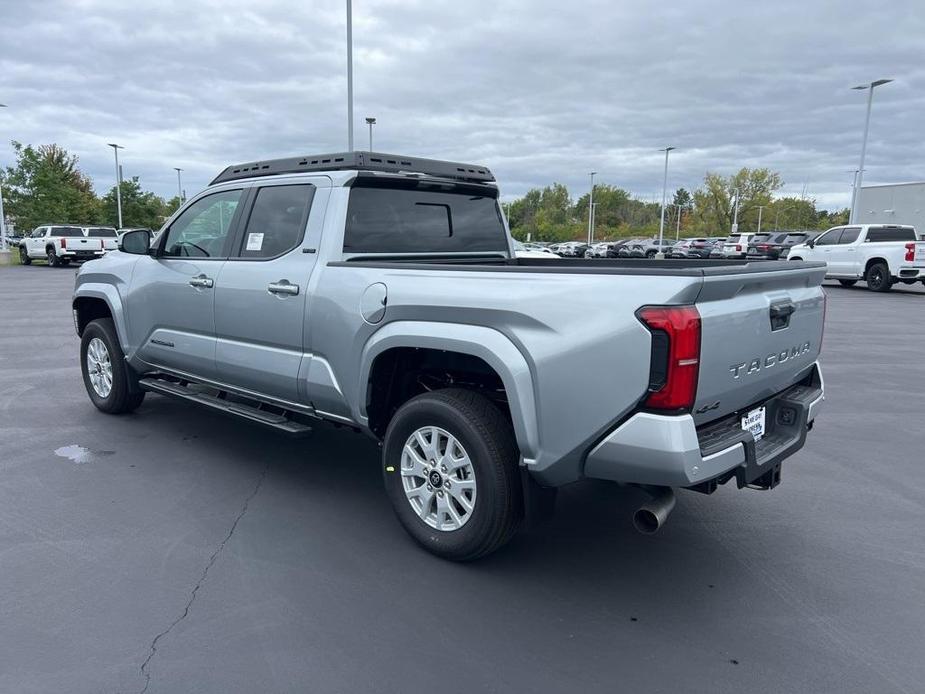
[201, 281]
[283, 287]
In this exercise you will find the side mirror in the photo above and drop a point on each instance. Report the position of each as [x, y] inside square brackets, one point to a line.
[811, 243]
[136, 242]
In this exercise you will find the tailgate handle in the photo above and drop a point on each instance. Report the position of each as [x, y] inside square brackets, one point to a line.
[780, 315]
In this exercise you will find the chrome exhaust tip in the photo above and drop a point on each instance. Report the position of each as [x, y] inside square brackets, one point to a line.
[652, 515]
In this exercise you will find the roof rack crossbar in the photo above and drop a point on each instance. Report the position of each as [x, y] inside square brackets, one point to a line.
[361, 161]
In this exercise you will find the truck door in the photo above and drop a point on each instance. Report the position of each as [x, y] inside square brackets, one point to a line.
[842, 257]
[171, 303]
[261, 293]
[823, 246]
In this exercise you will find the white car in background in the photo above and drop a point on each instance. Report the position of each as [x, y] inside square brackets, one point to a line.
[521, 250]
[736, 245]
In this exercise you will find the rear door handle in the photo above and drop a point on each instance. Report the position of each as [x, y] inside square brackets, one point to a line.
[201, 281]
[283, 287]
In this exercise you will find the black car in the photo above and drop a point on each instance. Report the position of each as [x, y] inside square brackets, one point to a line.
[777, 244]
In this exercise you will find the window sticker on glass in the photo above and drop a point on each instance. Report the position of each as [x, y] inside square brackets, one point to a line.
[254, 241]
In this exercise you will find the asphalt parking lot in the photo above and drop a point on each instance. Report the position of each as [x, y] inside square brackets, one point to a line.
[182, 551]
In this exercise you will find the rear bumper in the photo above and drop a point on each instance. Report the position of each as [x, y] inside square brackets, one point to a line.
[909, 272]
[671, 451]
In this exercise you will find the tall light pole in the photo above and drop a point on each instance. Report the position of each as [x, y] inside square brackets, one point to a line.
[860, 179]
[760, 207]
[735, 214]
[349, 76]
[677, 231]
[179, 185]
[370, 122]
[116, 148]
[661, 226]
[591, 210]
[3, 246]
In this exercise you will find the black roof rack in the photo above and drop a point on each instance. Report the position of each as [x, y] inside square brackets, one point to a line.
[360, 161]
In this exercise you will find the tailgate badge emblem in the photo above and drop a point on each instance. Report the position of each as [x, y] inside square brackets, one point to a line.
[757, 364]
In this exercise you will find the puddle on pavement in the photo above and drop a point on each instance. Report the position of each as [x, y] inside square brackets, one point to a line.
[80, 454]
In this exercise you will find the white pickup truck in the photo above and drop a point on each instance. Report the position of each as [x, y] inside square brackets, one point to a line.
[59, 245]
[108, 236]
[870, 252]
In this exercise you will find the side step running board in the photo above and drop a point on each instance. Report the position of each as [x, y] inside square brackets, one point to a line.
[271, 419]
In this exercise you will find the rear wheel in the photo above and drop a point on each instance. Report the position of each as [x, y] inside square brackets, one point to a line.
[878, 278]
[107, 378]
[847, 283]
[450, 470]
[24, 256]
[52, 258]
[650, 254]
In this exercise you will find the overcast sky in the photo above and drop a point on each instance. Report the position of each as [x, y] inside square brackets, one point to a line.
[539, 91]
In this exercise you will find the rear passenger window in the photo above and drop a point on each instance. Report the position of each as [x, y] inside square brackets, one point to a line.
[277, 221]
[891, 234]
[849, 235]
[388, 220]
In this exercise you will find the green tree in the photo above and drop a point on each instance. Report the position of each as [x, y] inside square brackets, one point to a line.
[46, 185]
[714, 202]
[791, 213]
[682, 198]
[139, 208]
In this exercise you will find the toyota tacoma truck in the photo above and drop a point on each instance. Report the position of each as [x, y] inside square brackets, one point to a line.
[59, 245]
[383, 293]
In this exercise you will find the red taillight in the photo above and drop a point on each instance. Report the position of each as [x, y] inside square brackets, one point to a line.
[738, 247]
[676, 365]
[63, 243]
[763, 246]
[910, 252]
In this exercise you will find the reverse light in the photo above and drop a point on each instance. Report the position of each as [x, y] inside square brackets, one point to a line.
[910, 252]
[675, 356]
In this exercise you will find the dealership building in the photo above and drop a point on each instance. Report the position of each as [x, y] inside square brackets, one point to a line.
[895, 203]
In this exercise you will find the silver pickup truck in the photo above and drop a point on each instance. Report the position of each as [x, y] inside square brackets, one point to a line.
[382, 292]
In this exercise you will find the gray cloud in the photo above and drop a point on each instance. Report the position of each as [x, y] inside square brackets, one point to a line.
[540, 91]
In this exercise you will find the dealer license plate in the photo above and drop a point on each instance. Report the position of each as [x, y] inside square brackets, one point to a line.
[754, 422]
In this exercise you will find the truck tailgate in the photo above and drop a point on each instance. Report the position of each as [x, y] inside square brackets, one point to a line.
[761, 331]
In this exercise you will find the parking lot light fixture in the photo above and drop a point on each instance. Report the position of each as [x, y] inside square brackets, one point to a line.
[370, 121]
[116, 148]
[179, 185]
[852, 216]
[661, 226]
[760, 207]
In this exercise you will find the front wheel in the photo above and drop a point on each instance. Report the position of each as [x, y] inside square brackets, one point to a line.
[847, 283]
[24, 256]
[650, 254]
[107, 377]
[450, 469]
[878, 277]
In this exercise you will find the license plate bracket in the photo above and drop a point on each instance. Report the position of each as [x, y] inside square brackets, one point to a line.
[754, 421]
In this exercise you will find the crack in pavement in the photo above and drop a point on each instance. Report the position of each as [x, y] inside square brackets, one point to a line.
[186, 610]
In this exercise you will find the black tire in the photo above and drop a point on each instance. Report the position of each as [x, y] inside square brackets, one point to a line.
[24, 258]
[488, 439]
[651, 254]
[847, 283]
[124, 395]
[796, 258]
[52, 258]
[878, 278]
